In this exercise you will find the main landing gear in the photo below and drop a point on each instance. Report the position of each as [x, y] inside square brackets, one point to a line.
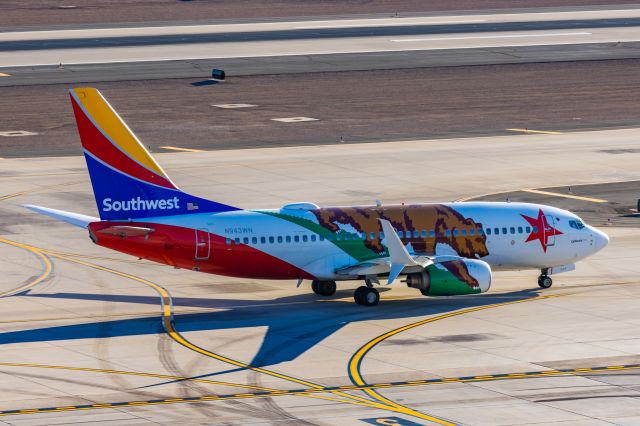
[544, 280]
[366, 296]
[323, 288]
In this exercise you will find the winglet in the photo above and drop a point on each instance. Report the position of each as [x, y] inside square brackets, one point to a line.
[398, 253]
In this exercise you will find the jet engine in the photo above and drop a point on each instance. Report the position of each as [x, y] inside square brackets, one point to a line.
[452, 278]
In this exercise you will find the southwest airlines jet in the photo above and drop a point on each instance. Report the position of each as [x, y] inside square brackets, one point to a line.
[440, 249]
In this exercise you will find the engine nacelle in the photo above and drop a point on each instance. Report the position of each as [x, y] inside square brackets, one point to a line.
[452, 278]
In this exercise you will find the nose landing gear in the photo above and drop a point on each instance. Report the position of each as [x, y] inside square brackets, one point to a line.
[544, 280]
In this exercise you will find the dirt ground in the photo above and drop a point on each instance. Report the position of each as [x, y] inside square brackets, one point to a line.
[18, 13]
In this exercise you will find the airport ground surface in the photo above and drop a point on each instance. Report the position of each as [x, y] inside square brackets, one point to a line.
[46, 12]
[91, 336]
[83, 338]
[355, 106]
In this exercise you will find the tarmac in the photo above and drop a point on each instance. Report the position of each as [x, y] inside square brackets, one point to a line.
[84, 338]
[338, 110]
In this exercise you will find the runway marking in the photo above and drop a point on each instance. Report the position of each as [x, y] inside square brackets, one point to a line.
[393, 24]
[233, 106]
[17, 133]
[296, 392]
[355, 363]
[294, 119]
[175, 148]
[543, 132]
[573, 197]
[412, 40]
[4, 74]
[48, 267]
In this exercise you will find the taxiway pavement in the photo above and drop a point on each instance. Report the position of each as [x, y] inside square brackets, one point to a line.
[86, 343]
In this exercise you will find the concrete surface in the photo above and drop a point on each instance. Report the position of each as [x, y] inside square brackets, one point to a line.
[103, 322]
[355, 106]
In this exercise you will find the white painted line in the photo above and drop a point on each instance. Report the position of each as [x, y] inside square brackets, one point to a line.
[391, 24]
[175, 148]
[411, 40]
[12, 133]
[2, 74]
[294, 119]
[233, 106]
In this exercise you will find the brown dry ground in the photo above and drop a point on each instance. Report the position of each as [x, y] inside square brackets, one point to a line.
[358, 106]
[16, 13]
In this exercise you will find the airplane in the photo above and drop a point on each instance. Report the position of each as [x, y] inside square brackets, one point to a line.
[442, 249]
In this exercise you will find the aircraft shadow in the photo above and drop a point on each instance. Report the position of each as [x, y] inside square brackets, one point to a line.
[294, 323]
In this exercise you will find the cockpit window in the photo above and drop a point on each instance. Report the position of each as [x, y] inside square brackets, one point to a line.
[576, 224]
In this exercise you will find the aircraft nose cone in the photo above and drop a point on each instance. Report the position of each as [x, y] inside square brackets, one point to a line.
[600, 239]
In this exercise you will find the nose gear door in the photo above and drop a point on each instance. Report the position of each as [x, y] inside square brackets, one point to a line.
[203, 244]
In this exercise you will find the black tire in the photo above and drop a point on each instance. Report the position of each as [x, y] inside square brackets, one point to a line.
[366, 296]
[327, 288]
[315, 286]
[545, 282]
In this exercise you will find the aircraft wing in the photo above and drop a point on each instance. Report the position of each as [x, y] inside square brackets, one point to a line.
[399, 260]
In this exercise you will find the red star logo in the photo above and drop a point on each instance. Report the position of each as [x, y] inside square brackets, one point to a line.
[541, 229]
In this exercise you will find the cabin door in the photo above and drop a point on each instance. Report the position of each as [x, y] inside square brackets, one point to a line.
[203, 244]
[549, 228]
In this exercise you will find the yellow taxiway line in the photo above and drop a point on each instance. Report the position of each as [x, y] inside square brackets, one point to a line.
[557, 194]
[355, 362]
[175, 148]
[543, 132]
[48, 267]
[267, 392]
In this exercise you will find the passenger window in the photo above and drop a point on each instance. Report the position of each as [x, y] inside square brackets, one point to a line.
[400, 234]
[228, 241]
[472, 231]
[455, 232]
[535, 229]
[363, 236]
[504, 231]
[513, 230]
[372, 235]
[528, 229]
[254, 240]
[313, 238]
[464, 232]
[321, 238]
[519, 229]
[432, 233]
[287, 239]
[279, 238]
[488, 231]
[296, 239]
[496, 231]
[448, 233]
[480, 231]
[271, 240]
[416, 234]
[263, 240]
[304, 238]
[382, 235]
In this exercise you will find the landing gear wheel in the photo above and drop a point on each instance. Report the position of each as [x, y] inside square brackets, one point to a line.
[323, 288]
[545, 281]
[366, 296]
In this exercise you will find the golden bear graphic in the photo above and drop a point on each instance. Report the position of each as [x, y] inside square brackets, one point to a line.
[436, 217]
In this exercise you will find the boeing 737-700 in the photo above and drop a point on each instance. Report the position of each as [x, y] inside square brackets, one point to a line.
[440, 249]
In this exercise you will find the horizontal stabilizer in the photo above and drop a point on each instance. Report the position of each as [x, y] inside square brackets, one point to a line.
[75, 219]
